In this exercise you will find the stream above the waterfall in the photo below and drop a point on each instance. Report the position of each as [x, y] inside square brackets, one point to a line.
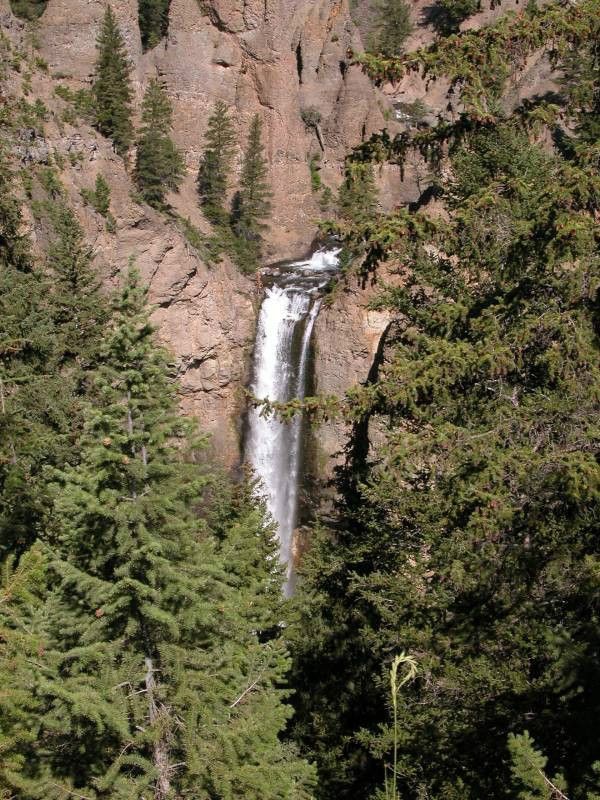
[280, 367]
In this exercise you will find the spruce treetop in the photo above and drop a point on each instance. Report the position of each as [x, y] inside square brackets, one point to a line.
[253, 206]
[159, 164]
[216, 163]
[157, 111]
[112, 84]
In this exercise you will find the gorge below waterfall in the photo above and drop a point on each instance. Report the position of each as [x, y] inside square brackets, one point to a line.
[279, 373]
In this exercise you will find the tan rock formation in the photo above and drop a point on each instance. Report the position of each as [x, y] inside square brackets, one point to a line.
[347, 339]
[272, 57]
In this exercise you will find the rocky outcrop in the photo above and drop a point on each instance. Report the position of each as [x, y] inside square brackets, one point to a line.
[276, 58]
[272, 57]
[347, 341]
[205, 312]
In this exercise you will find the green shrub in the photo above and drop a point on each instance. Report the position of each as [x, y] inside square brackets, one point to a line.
[81, 101]
[392, 27]
[315, 174]
[28, 9]
[311, 116]
[99, 197]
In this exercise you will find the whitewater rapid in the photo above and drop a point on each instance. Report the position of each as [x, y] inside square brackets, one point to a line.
[280, 373]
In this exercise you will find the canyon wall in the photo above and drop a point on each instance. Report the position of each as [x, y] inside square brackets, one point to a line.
[272, 57]
[277, 58]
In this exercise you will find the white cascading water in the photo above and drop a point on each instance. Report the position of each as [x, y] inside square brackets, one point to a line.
[280, 363]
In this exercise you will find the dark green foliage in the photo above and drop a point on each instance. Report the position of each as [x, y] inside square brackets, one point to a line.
[216, 164]
[112, 85]
[447, 15]
[159, 165]
[28, 9]
[99, 198]
[51, 332]
[167, 638]
[238, 233]
[391, 27]
[78, 311]
[154, 21]
[26, 345]
[252, 204]
[22, 588]
[357, 197]
[466, 531]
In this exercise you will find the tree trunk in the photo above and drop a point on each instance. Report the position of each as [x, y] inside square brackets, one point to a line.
[161, 752]
[320, 136]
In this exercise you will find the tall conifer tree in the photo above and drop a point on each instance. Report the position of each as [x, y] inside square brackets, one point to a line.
[392, 26]
[78, 309]
[154, 21]
[34, 401]
[170, 665]
[216, 164]
[467, 525]
[112, 85]
[252, 203]
[159, 165]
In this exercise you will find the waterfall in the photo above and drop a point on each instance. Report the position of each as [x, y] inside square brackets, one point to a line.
[280, 366]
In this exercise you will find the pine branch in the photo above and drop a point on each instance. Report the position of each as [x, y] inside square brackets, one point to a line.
[554, 788]
[246, 691]
[70, 792]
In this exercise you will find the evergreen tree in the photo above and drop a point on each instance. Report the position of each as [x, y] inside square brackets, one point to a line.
[391, 27]
[357, 197]
[252, 203]
[216, 164]
[30, 391]
[112, 85]
[447, 15]
[159, 165]
[102, 193]
[22, 587]
[78, 310]
[153, 17]
[169, 662]
[52, 328]
[466, 526]
[99, 197]
[248, 757]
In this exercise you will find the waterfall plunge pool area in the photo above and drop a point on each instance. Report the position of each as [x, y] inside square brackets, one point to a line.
[280, 366]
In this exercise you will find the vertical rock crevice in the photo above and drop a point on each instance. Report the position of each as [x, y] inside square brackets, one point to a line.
[299, 62]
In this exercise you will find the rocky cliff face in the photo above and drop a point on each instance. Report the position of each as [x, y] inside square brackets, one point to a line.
[274, 57]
